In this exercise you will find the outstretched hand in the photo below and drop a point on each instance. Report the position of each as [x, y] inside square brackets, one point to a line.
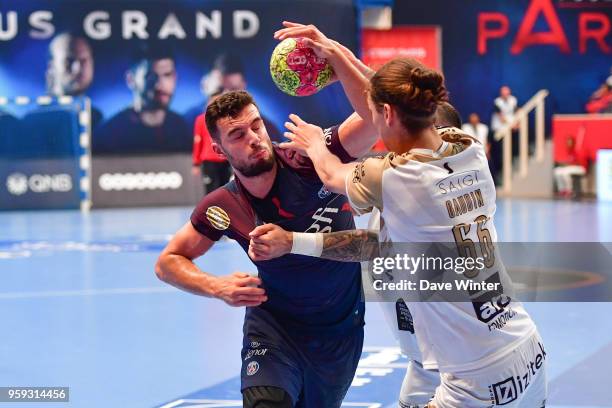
[302, 135]
[312, 37]
[269, 241]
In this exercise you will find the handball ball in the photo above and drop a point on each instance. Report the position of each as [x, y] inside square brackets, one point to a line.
[297, 70]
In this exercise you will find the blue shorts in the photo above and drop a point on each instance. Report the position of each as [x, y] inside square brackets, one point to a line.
[316, 371]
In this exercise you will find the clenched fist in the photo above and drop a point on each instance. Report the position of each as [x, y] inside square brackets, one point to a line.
[239, 289]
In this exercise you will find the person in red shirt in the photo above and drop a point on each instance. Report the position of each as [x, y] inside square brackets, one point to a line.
[574, 164]
[214, 168]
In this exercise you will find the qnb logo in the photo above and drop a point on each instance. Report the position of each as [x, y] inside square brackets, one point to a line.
[140, 181]
[510, 389]
[18, 183]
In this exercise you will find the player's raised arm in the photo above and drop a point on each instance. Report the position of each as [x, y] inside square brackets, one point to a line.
[357, 63]
[175, 266]
[270, 241]
[357, 136]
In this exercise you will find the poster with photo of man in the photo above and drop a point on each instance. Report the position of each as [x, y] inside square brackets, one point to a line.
[142, 64]
[147, 125]
[70, 69]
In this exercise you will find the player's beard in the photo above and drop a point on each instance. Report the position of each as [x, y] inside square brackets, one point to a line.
[256, 168]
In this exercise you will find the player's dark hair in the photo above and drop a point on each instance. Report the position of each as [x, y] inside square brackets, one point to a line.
[229, 104]
[447, 115]
[216, 93]
[414, 90]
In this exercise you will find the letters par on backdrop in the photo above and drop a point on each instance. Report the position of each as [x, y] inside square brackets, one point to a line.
[592, 27]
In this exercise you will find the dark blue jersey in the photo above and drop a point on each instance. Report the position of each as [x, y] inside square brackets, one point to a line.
[306, 295]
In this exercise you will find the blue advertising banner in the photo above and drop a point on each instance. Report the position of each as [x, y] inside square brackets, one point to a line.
[35, 184]
[560, 45]
[149, 67]
[44, 153]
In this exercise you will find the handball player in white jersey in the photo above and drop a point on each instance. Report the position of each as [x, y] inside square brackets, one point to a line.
[488, 353]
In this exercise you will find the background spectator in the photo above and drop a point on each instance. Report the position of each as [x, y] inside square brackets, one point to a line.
[504, 109]
[212, 167]
[575, 165]
[479, 130]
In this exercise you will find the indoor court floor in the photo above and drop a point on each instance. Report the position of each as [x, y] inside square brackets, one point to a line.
[80, 306]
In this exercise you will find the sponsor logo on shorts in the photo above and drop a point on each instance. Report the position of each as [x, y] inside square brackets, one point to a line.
[218, 218]
[255, 353]
[252, 368]
[510, 389]
[18, 183]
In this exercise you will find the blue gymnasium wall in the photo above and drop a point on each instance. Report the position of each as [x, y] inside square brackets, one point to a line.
[474, 79]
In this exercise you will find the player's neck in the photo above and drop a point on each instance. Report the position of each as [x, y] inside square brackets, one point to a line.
[258, 186]
[426, 139]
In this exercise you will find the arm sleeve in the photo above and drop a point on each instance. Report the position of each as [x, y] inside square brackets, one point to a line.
[332, 141]
[209, 219]
[364, 184]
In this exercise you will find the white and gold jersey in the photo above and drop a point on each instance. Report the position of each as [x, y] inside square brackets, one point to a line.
[446, 196]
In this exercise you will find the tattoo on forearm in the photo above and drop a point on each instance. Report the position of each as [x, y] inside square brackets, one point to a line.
[350, 246]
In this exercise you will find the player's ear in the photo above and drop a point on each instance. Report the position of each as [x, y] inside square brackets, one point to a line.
[217, 148]
[388, 114]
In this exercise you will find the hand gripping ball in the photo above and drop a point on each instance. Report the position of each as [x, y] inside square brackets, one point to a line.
[297, 70]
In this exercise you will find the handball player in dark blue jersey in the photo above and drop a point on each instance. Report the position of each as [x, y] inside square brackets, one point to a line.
[303, 328]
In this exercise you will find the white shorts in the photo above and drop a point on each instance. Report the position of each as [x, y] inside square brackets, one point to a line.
[518, 380]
